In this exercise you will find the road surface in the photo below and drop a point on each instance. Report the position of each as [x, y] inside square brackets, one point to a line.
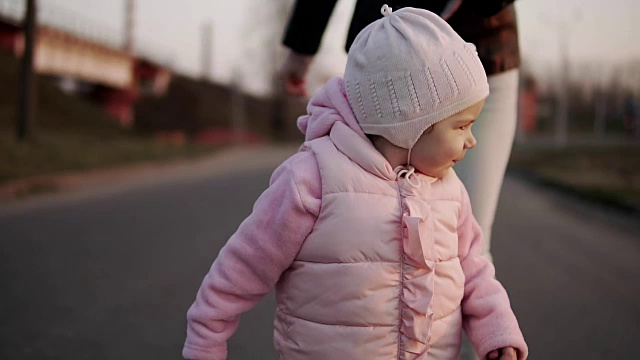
[110, 274]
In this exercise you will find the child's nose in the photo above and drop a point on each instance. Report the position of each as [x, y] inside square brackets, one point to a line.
[470, 143]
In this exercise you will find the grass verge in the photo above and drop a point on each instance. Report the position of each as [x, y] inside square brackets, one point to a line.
[69, 134]
[60, 151]
[607, 174]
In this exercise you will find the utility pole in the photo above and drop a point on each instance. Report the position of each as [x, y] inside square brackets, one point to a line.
[238, 121]
[207, 39]
[129, 26]
[562, 27]
[26, 99]
[562, 112]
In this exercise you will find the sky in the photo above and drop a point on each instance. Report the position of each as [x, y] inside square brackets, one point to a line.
[597, 33]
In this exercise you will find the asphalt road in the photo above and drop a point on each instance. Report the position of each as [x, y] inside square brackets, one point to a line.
[111, 274]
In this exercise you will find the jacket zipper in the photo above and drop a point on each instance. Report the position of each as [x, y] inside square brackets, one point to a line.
[402, 260]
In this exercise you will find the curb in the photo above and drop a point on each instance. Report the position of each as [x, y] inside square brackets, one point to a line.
[227, 159]
[625, 207]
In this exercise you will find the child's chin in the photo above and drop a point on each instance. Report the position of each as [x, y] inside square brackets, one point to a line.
[437, 173]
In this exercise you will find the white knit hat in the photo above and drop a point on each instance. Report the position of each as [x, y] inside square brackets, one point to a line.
[409, 70]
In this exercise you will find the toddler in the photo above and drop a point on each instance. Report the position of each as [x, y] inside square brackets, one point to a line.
[367, 233]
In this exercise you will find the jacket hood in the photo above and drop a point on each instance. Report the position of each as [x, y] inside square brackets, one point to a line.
[327, 107]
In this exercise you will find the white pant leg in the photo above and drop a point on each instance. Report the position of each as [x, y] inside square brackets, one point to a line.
[483, 168]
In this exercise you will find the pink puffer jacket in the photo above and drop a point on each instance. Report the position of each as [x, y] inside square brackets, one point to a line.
[384, 270]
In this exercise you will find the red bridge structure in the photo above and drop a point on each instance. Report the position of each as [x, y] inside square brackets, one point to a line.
[86, 57]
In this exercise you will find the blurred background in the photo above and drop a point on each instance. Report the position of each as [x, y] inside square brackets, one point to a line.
[92, 91]
[204, 73]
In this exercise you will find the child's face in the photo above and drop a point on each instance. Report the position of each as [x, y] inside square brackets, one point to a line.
[440, 148]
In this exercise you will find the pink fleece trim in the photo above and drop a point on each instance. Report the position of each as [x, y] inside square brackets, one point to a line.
[487, 316]
[326, 107]
[253, 259]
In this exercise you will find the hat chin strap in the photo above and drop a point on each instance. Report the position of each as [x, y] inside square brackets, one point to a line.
[409, 172]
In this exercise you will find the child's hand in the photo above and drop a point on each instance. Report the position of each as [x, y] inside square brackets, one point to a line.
[507, 353]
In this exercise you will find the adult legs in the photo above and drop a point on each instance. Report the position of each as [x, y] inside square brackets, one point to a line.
[483, 168]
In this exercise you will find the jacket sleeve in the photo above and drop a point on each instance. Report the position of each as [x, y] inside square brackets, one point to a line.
[487, 315]
[253, 259]
[307, 24]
